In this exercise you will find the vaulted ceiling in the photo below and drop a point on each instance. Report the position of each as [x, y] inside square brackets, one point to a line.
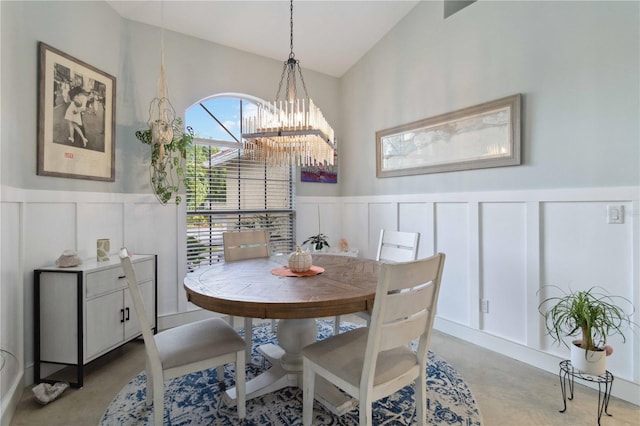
[329, 36]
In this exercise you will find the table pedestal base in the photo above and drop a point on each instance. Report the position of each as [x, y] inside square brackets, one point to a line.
[286, 368]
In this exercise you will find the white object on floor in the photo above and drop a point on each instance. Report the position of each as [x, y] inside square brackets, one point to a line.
[45, 392]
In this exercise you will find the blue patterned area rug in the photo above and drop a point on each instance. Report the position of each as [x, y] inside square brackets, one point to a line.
[195, 399]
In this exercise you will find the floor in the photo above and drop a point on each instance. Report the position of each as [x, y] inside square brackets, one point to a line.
[508, 392]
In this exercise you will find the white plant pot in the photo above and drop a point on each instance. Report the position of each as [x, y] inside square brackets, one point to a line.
[594, 363]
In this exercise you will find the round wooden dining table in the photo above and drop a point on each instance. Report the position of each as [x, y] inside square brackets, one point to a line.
[255, 288]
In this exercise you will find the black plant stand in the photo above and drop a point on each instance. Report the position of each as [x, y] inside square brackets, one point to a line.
[568, 375]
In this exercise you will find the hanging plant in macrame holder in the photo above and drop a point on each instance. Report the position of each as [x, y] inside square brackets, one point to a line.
[161, 114]
[167, 168]
[169, 144]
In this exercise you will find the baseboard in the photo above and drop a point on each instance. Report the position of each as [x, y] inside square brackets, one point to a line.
[11, 400]
[623, 389]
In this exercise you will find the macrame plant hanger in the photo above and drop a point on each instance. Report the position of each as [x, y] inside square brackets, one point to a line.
[161, 112]
[161, 122]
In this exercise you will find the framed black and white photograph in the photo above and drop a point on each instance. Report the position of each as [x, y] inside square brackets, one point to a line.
[76, 118]
[481, 136]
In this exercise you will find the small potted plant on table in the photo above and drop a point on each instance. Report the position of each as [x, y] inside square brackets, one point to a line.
[592, 315]
[317, 242]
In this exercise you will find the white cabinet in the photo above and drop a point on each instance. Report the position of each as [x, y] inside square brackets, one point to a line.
[83, 312]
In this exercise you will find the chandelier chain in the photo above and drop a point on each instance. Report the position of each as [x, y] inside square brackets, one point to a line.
[284, 70]
[291, 54]
[304, 86]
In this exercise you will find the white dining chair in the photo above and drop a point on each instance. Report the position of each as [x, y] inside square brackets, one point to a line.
[242, 245]
[372, 362]
[393, 246]
[397, 246]
[185, 349]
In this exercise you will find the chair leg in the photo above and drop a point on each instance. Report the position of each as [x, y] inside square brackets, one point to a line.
[420, 393]
[336, 325]
[308, 387]
[366, 416]
[220, 373]
[158, 402]
[241, 390]
[248, 334]
[149, 374]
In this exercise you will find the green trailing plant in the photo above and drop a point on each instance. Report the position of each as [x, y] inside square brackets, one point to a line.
[167, 161]
[317, 241]
[591, 314]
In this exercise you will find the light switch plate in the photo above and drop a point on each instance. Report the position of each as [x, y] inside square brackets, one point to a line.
[615, 214]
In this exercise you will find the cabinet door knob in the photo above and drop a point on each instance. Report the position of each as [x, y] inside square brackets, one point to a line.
[127, 309]
[121, 315]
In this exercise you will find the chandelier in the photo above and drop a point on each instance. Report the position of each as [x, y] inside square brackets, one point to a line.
[292, 130]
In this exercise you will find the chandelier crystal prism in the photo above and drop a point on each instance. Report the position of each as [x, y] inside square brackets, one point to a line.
[292, 130]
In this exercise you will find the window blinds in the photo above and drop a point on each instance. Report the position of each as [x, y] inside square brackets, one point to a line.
[226, 192]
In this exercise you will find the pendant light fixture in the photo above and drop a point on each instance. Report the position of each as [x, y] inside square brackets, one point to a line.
[290, 130]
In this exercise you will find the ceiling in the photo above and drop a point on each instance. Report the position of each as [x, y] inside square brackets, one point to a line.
[329, 36]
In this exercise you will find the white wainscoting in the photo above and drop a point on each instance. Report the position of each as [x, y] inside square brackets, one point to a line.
[38, 225]
[501, 246]
[504, 246]
[11, 313]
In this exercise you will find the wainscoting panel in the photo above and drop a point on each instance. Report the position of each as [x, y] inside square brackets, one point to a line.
[49, 229]
[99, 220]
[153, 228]
[503, 269]
[313, 218]
[452, 238]
[581, 250]
[355, 225]
[418, 217]
[330, 223]
[307, 221]
[11, 312]
[381, 216]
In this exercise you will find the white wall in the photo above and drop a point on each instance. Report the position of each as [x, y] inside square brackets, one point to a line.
[577, 65]
[505, 246]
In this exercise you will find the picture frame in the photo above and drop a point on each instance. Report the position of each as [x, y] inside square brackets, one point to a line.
[321, 173]
[76, 118]
[481, 136]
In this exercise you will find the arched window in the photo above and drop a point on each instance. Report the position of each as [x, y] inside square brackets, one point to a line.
[228, 192]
